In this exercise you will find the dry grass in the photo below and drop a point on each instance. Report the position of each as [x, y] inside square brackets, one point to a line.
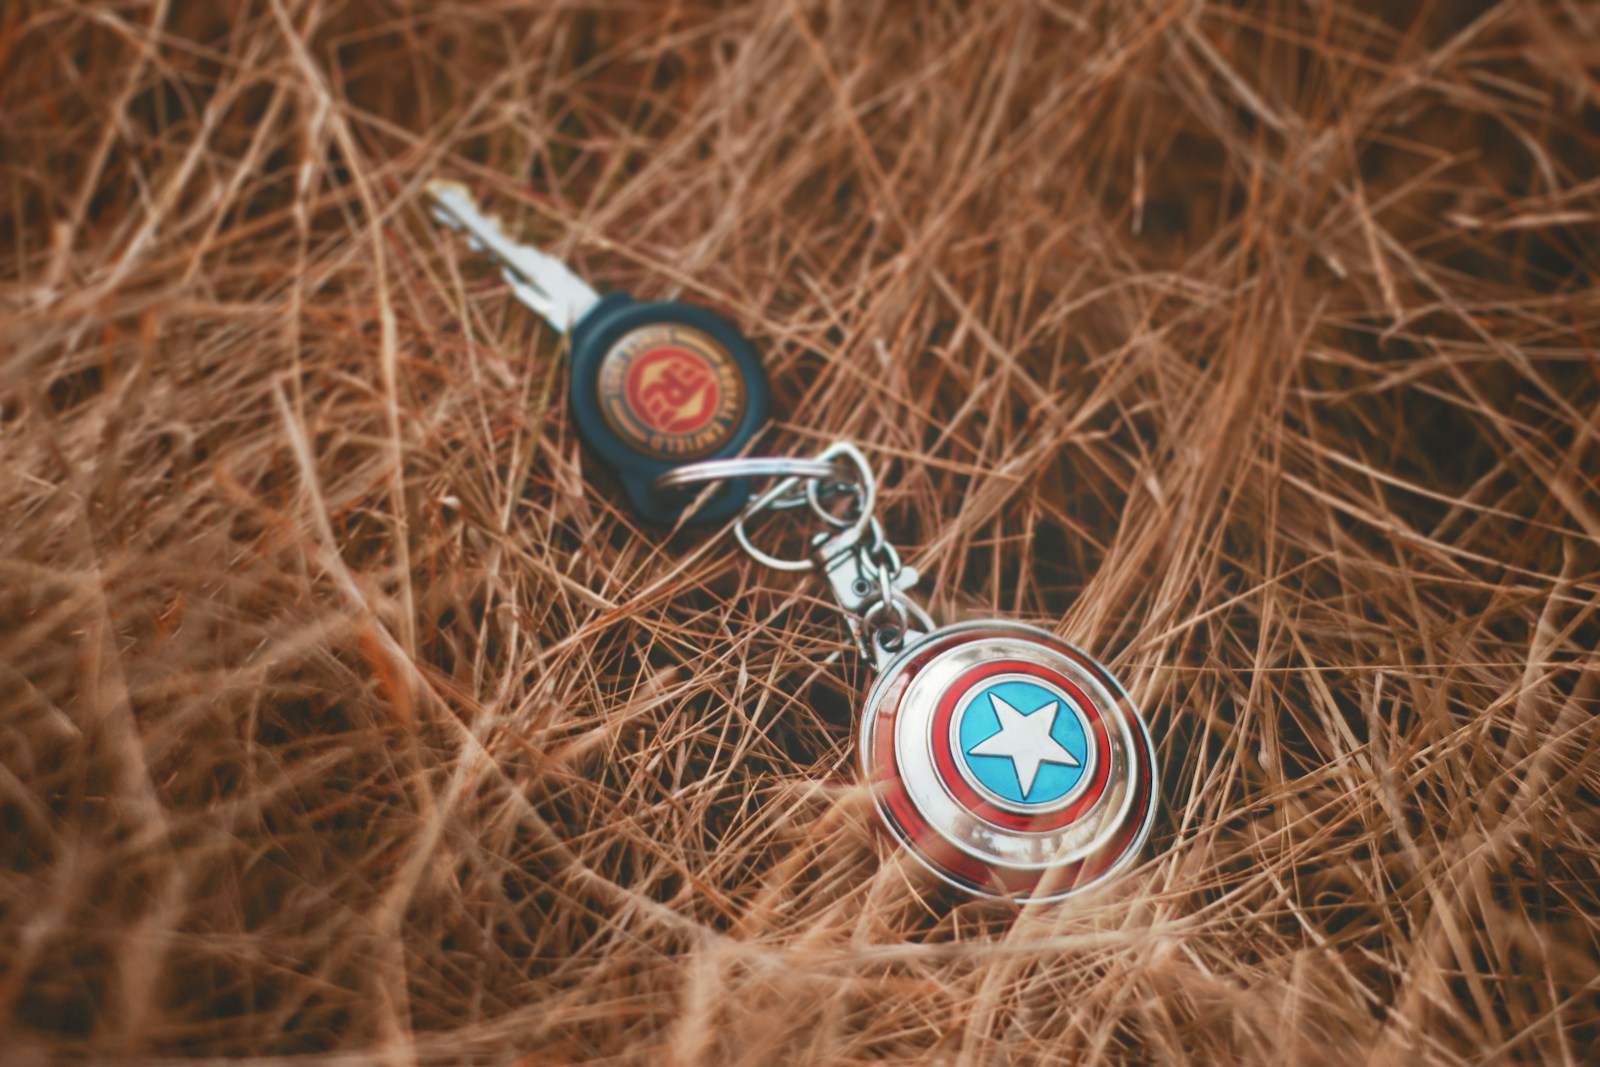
[344, 710]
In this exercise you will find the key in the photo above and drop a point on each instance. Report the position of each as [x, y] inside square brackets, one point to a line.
[653, 384]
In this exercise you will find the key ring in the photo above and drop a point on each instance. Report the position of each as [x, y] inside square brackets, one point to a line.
[839, 469]
[721, 470]
[868, 578]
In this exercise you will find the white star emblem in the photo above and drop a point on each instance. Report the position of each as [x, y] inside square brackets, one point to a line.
[1025, 740]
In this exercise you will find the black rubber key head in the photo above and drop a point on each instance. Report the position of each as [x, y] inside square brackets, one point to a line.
[658, 385]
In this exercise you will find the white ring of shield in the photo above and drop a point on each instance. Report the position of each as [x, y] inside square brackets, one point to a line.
[887, 688]
[959, 754]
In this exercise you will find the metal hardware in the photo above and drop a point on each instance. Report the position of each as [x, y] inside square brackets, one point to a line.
[869, 580]
[721, 470]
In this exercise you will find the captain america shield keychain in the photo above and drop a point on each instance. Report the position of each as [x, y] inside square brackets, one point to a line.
[1007, 761]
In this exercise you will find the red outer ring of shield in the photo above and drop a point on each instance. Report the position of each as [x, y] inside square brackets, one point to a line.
[984, 877]
[944, 758]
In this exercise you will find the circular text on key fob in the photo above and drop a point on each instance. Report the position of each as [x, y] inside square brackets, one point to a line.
[671, 392]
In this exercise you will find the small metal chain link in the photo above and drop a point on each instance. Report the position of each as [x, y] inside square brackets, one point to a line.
[869, 579]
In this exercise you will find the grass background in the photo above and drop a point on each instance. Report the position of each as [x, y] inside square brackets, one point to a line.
[346, 712]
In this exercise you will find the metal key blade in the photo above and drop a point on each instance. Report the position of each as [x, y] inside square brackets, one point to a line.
[539, 280]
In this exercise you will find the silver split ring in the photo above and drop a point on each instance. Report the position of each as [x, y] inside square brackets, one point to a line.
[722, 470]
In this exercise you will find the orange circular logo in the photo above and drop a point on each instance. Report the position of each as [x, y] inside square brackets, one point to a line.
[671, 392]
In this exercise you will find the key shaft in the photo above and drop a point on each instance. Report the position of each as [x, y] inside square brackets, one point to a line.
[538, 279]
